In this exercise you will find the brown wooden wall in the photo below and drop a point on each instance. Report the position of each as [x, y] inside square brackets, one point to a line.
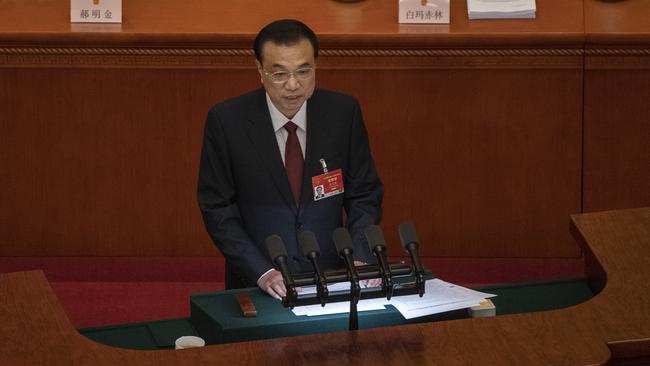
[617, 108]
[480, 139]
[479, 159]
[617, 139]
[104, 162]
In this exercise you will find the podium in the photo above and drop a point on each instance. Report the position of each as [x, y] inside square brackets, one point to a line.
[217, 318]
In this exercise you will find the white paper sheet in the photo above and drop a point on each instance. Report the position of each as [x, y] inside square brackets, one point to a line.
[501, 9]
[339, 307]
[340, 286]
[439, 296]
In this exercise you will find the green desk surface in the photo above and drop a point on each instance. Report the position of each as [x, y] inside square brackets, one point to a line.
[160, 334]
[538, 296]
[216, 317]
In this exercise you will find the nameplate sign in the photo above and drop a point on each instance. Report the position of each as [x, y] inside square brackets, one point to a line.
[96, 11]
[424, 11]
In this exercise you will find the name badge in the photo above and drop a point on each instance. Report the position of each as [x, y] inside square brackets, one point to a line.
[424, 11]
[96, 11]
[327, 184]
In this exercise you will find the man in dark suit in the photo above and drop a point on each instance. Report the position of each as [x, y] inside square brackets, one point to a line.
[259, 155]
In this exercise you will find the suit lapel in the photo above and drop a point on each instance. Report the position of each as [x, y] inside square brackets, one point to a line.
[316, 127]
[260, 131]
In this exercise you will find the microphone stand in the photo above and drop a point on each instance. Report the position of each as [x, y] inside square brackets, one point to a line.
[309, 246]
[364, 272]
[386, 278]
[352, 273]
[377, 245]
[355, 294]
[411, 243]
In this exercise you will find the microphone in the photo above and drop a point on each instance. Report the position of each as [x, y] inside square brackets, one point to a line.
[310, 249]
[410, 242]
[344, 247]
[377, 244]
[278, 254]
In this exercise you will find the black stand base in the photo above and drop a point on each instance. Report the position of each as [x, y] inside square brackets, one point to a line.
[354, 315]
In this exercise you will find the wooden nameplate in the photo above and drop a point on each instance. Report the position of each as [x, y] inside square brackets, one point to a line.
[246, 305]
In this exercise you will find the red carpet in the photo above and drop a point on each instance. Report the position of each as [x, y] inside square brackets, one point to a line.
[91, 304]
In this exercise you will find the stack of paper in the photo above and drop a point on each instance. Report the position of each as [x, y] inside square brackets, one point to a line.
[501, 9]
[336, 307]
[439, 297]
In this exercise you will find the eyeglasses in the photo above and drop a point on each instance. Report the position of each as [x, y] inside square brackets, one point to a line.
[280, 77]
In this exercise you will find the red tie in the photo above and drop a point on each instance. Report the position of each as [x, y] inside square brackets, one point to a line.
[293, 161]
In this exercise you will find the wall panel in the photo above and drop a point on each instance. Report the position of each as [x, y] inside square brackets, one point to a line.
[486, 162]
[103, 161]
[476, 126]
[617, 139]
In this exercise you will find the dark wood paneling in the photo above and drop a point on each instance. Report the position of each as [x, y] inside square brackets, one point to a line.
[475, 126]
[105, 162]
[617, 113]
[486, 162]
[109, 157]
[617, 139]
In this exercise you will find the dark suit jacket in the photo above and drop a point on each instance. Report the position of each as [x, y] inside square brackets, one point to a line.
[244, 193]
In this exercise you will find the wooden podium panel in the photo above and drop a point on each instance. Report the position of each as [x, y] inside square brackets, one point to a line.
[104, 163]
[617, 135]
[615, 323]
[617, 113]
[467, 155]
[173, 24]
[476, 126]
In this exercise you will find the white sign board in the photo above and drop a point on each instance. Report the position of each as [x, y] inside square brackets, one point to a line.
[96, 11]
[424, 11]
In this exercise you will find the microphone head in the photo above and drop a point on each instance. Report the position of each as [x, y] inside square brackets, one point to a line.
[374, 236]
[342, 239]
[407, 234]
[308, 243]
[275, 246]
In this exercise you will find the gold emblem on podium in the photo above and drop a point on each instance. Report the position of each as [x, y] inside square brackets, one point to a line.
[424, 2]
[96, 2]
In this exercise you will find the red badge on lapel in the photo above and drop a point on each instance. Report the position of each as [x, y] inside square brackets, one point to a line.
[328, 184]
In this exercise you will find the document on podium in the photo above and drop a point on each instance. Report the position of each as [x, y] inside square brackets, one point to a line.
[336, 307]
[439, 297]
[501, 9]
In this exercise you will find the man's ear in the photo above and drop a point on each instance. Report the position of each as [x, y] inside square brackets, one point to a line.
[260, 70]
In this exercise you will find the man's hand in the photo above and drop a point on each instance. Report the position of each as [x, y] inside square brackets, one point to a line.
[373, 282]
[272, 284]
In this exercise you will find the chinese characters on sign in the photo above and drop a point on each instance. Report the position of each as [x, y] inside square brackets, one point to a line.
[421, 14]
[424, 11]
[96, 11]
[95, 14]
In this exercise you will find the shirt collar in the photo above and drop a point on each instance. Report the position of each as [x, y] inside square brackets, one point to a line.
[279, 119]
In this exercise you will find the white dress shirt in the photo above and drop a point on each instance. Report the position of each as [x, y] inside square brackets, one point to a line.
[279, 120]
[281, 134]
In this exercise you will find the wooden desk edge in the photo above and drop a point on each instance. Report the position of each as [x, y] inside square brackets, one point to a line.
[73, 345]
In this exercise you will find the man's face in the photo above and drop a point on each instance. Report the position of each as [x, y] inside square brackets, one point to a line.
[287, 96]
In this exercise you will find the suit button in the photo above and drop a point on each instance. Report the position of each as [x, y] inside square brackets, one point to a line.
[299, 226]
[295, 259]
